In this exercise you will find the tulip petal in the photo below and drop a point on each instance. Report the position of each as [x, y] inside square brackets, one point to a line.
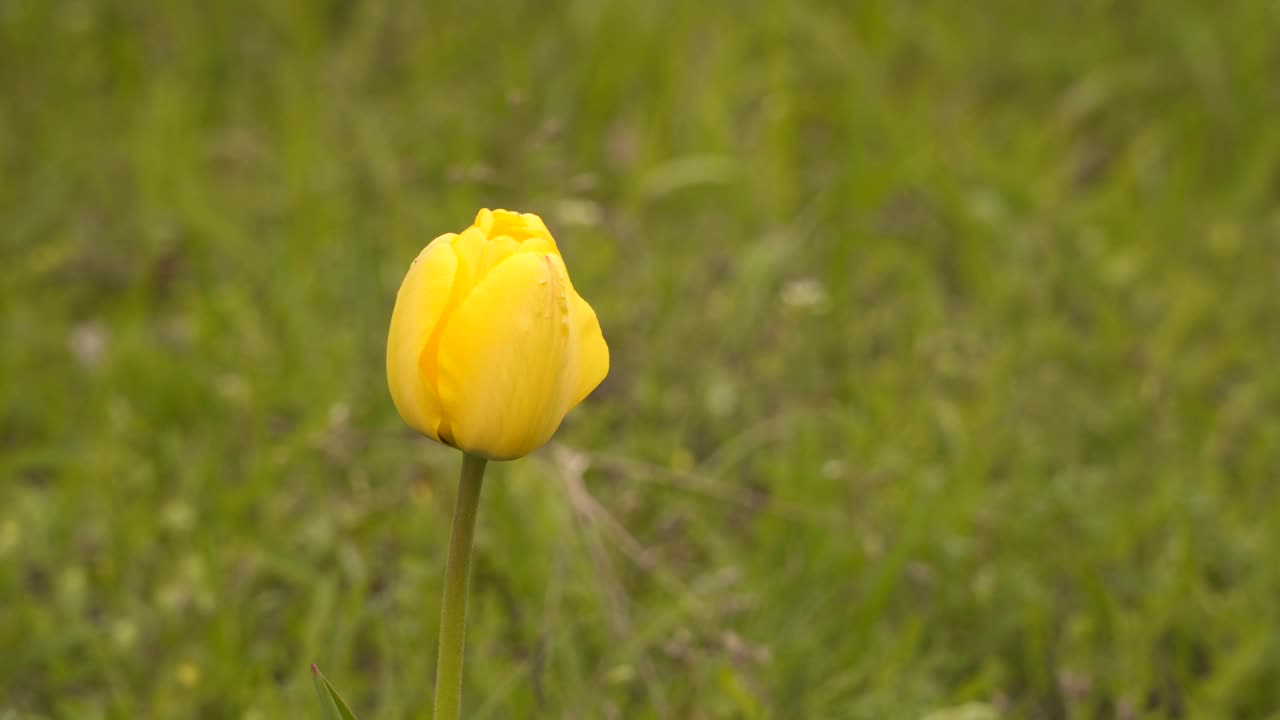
[421, 301]
[470, 247]
[593, 353]
[507, 366]
[539, 245]
[518, 226]
[495, 251]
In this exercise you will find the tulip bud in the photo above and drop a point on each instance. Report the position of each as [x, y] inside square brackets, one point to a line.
[490, 345]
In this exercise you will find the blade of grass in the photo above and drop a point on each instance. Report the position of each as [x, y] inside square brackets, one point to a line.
[330, 701]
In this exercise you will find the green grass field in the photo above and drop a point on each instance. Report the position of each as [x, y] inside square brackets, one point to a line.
[945, 337]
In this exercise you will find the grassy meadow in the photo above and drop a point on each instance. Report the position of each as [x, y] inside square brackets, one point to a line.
[945, 358]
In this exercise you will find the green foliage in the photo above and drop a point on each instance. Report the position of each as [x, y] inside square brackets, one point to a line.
[944, 349]
[330, 701]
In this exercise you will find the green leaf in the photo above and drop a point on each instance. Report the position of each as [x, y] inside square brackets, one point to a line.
[330, 701]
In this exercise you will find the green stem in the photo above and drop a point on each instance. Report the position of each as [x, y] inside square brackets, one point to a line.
[453, 616]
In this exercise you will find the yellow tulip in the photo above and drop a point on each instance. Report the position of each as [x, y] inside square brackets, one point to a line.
[490, 345]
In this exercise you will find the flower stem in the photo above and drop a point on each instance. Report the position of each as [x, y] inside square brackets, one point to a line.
[453, 616]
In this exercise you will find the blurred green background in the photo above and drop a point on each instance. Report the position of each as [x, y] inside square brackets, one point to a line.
[944, 340]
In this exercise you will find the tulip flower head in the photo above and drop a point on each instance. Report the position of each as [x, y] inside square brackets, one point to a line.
[490, 346]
